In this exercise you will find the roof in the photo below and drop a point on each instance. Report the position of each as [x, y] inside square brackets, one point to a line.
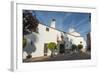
[63, 31]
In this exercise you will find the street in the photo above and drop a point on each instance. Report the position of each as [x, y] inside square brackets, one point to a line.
[61, 57]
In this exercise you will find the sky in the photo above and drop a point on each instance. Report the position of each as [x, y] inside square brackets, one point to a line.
[81, 22]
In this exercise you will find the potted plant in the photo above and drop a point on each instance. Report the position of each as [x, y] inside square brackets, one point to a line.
[80, 46]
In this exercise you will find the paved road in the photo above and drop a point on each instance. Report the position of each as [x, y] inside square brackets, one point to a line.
[74, 56]
[61, 57]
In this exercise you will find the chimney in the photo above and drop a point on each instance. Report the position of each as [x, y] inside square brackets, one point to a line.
[53, 23]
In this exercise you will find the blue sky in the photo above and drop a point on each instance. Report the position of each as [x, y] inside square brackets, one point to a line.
[66, 20]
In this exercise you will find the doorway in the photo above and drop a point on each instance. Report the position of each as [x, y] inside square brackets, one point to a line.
[45, 49]
[62, 49]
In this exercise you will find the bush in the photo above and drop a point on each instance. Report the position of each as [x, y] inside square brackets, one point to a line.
[52, 46]
[80, 46]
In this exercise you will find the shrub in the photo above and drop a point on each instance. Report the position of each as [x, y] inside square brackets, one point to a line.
[52, 46]
[80, 46]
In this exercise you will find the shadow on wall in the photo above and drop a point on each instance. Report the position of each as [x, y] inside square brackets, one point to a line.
[31, 39]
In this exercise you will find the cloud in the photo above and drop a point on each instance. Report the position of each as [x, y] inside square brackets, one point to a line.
[81, 22]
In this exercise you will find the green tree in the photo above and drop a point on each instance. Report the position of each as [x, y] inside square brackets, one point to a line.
[30, 22]
[52, 46]
[80, 46]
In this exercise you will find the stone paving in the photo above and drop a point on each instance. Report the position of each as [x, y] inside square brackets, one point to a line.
[61, 57]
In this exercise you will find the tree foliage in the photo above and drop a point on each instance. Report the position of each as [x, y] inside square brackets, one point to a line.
[80, 46]
[30, 22]
[52, 46]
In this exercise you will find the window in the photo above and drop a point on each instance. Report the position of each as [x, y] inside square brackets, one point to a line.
[47, 29]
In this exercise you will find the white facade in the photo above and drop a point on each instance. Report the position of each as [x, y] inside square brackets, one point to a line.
[45, 37]
[74, 37]
[50, 34]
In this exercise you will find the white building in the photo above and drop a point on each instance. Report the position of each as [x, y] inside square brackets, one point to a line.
[73, 37]
[46, 35]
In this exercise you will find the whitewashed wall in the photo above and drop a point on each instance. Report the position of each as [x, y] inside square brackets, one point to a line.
[45, 37]
[77, 40]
